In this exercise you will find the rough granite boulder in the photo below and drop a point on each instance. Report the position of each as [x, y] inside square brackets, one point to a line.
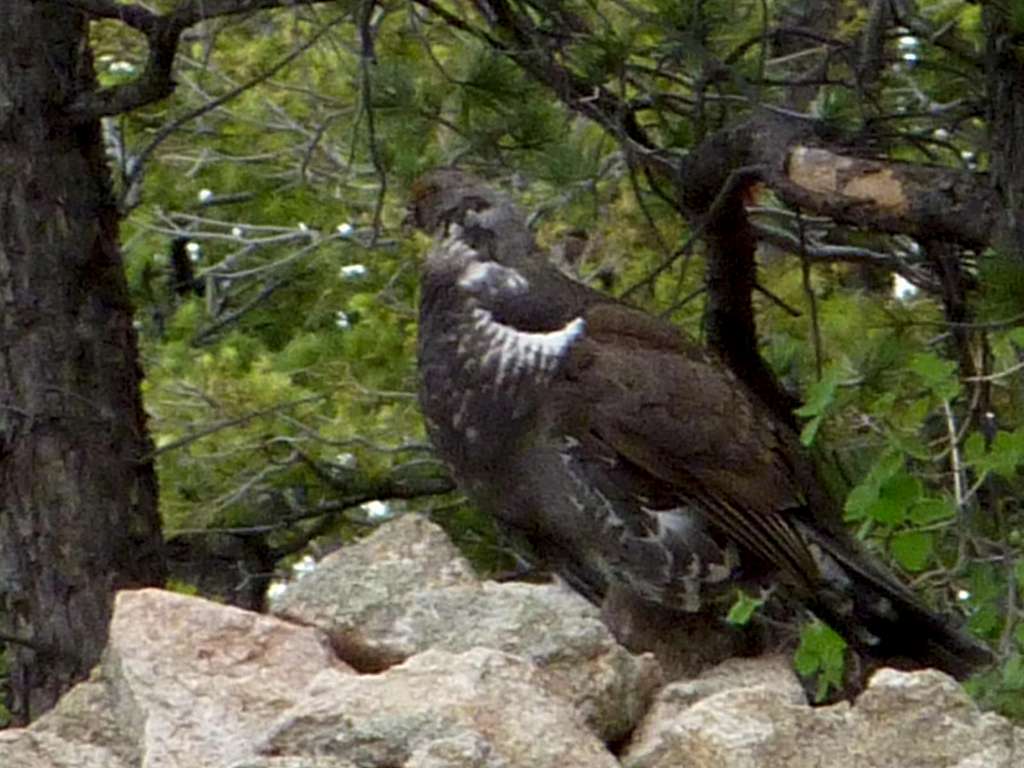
[449, 672]
[183, 681]
[478, 709]
[908, 719]
[375, 577]
[405, 590]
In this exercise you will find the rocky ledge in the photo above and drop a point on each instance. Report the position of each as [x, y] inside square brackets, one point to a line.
[393, 654]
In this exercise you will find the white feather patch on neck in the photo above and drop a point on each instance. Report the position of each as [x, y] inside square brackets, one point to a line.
[493, 278]
[516, 352]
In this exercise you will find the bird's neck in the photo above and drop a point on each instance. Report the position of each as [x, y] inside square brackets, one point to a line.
[482, 381]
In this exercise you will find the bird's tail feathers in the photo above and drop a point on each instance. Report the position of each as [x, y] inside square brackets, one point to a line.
[881, 617]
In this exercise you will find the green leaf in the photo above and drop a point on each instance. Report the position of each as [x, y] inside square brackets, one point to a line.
[1003, 457]
[884, 403]
[1013, 672]
[865, 497]
[932, 510]
[985, 621]
[911, 445]
[821, 653]
[895, 497]
[974, 448]
[913, 549]
[986, 582]
[860, 499]
[820, 397]
[1016, 337]
[937, 374]
[902, 488]
[887, 500]
[887, 511]
[744, 607]
[888, 464]
[182, 587]
[810, 431]
[1007, 452]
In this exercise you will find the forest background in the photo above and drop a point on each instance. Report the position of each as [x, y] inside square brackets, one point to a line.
[237, 172]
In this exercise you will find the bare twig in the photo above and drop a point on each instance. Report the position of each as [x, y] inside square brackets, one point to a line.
[367, 60]
[955, 461]
[1012, 370]
[206, 334]
[812, 299]
[777, 301]
[218, 426]
[163, 32]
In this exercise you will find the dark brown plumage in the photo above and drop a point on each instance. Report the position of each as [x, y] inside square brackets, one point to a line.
[622, 455]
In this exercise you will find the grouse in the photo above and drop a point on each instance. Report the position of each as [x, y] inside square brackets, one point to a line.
[619, 453]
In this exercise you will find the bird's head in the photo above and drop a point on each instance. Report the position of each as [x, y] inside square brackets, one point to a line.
[457, 207]
[485, 256]
[444, 196]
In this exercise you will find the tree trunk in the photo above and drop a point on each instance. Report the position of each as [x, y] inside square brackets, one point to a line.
[78, 516]
[1005, 73]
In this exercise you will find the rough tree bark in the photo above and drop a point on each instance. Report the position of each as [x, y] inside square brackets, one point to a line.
[1005, 91]
[78, 516]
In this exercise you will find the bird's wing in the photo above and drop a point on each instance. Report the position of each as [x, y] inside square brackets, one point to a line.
[663, 405]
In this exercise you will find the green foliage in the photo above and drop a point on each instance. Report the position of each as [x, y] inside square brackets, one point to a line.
[1000, 688]
[821, 655]
[1002, 456]
[937, 375]
[912, 549]
[181, 587]
[1002, 278]
[743, 609]
[820, 397]
[838, 107]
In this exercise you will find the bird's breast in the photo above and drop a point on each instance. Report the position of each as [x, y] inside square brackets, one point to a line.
[483, 382]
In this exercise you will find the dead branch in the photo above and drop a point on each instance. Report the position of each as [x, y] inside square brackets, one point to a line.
[163, 33]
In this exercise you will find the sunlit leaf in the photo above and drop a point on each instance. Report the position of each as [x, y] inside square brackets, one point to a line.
[932, 510]
[913, 549]
[1013, 672]
[821, 654]
[743, 608]
[938, 374]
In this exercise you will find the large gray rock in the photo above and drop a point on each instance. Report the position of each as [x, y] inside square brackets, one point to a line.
[359, 592]
[479, 709]
[183, 682]
[87, 715]
[30, 749]
[912, 720]
[772, 673]
[405, 590]
[184, 663]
